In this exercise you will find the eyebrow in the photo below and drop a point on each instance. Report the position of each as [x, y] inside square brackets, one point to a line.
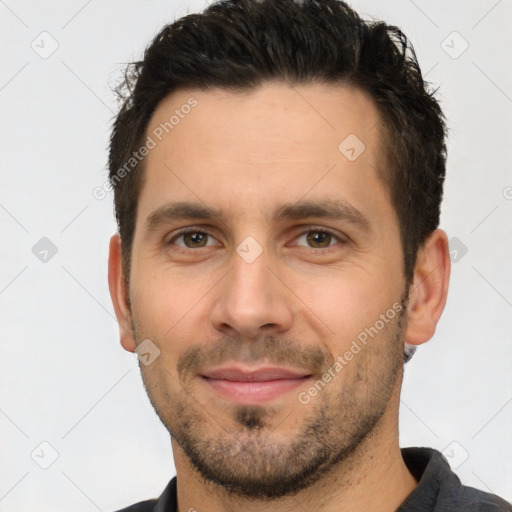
[333, 209]
[180, 210]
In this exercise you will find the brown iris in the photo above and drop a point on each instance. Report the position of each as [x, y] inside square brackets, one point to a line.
[320, 238]
[196, 238]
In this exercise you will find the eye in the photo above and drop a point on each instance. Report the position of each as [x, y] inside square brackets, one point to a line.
[319, 238]
[192, 239]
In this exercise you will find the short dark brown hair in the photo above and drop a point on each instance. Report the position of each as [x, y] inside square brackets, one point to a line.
[241, 44]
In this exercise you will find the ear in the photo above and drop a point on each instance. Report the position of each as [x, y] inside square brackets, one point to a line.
[429, 288]
[119, 294]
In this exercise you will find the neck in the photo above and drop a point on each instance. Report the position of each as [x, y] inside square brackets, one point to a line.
[373, 477]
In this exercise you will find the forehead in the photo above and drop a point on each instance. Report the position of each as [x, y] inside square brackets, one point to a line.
[321, 114]
[255, 147]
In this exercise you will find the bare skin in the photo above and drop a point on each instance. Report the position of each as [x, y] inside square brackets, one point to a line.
[298, 305]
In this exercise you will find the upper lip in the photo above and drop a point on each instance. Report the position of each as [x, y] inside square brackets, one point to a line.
[261, 374]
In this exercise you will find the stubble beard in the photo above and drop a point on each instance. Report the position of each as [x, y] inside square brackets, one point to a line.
[247, 455]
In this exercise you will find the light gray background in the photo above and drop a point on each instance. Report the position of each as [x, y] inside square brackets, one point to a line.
[64, 378]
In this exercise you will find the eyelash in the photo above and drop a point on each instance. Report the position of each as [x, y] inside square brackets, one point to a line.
[312, 229]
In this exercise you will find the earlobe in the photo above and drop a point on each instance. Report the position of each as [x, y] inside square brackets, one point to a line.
[429, 288]
[119, 294]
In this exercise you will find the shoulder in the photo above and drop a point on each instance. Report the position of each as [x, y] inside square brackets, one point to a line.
[480, 501]
[143, 506]
[166, 503]
[440, 490]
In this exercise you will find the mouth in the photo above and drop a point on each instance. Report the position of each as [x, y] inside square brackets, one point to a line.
[252, 386]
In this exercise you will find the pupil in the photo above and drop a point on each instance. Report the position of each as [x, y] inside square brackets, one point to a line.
[317, 237]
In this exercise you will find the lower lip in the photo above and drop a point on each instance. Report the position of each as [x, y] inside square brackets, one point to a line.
[253, 392]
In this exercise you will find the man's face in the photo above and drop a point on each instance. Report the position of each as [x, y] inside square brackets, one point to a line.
[258, 302]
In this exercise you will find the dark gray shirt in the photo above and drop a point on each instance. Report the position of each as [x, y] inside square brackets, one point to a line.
[439, 489]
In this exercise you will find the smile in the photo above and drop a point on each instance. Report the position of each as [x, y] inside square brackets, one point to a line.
[251, 387]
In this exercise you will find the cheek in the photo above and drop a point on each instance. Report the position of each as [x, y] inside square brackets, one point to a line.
[164, 298]
[347, 303]
[347, 297]
[166, 310]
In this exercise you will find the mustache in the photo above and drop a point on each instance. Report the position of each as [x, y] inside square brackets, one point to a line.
[266, 349]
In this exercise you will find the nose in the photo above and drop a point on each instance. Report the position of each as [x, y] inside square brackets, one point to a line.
[252, 300]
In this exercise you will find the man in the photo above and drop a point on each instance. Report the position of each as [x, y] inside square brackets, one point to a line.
[278, 170]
